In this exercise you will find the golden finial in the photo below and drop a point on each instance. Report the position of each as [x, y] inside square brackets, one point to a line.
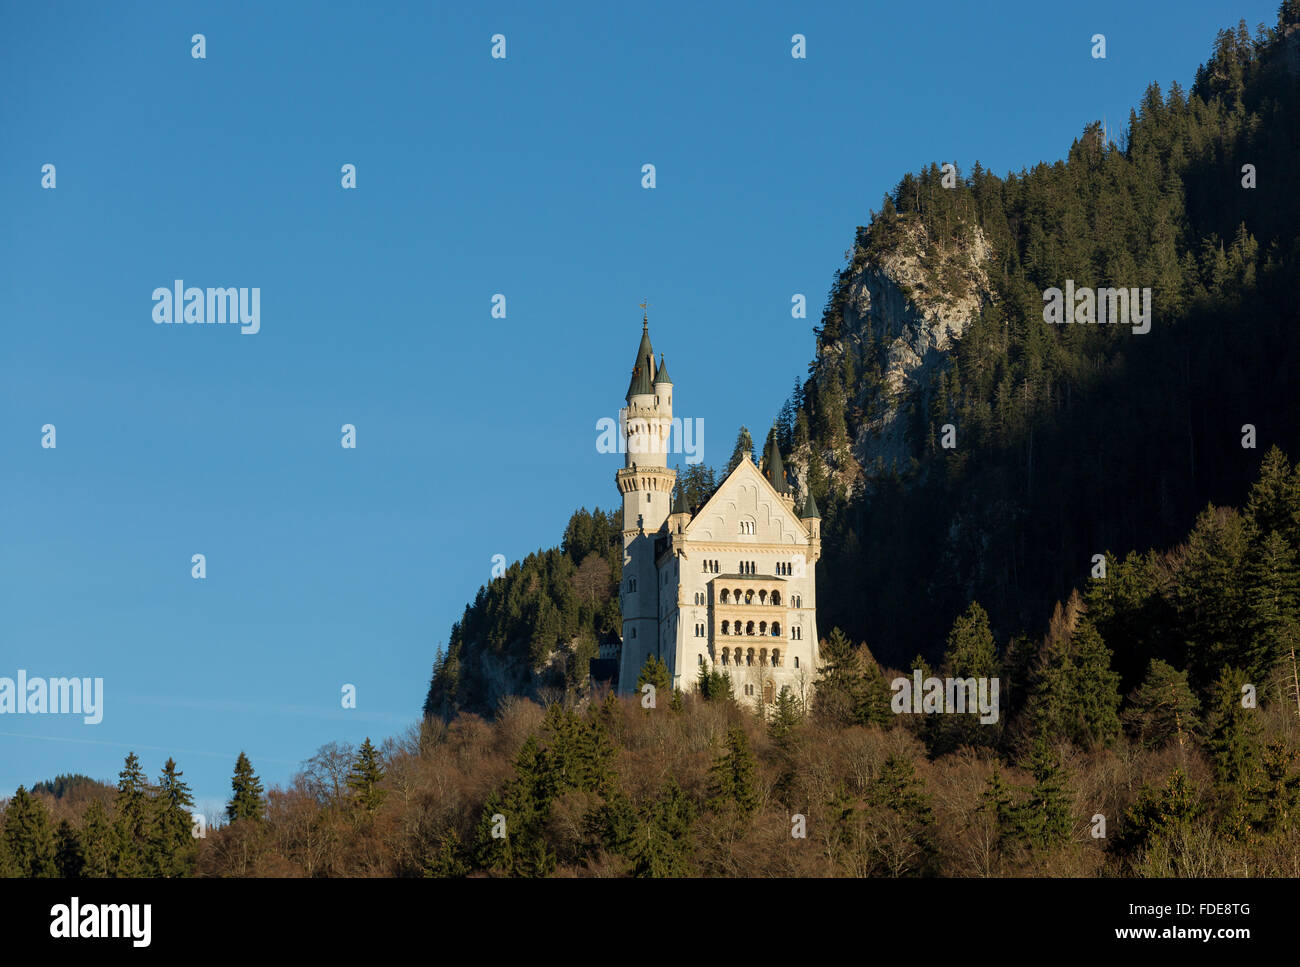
[645, 314]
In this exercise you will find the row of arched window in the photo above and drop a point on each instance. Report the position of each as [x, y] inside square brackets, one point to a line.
[742, 656]
[728, 596]
[747, 628]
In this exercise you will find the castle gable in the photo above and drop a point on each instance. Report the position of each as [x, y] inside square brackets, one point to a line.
[747, 509]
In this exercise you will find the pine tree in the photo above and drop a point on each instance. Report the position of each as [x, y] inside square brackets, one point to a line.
[998, 803]
[175, 848]
[714, 685]
[970, 655]
[1277, 797]
[1163, 709]
[247, 801]
[1075, 693]
[1209, 594]
[1044, 820]
[1273, 604]
[839, 684]
[661, 842]
[654, 672]
[732, 783]
[133, 833]
[364, 778]
[28, 839]
[786, 716]
[98, 842]
[1274, 501]
[1157, 816]
[1236, 752]
[744, 445]
[68, 858]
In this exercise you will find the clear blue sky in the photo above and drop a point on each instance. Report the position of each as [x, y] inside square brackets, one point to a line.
[476, 436]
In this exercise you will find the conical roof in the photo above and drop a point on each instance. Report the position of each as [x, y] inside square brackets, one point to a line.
[775, 469]
[662, 376]
[679, 504]
[643, 369]
[809, 508]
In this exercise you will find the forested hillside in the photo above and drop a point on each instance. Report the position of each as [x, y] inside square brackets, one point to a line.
[1069, 439]
[1152, 731]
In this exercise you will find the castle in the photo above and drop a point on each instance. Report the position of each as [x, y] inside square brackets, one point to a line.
[727, 587]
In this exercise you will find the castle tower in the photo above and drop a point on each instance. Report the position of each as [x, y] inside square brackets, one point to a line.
[646, 484]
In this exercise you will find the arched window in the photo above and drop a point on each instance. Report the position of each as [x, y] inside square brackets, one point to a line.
[749, 657]
[631, 584]
[796, 661]
[749, 630]
[726, 596]
[762, 597]
[768, 691]
[776, 597]
[776, 656]
[749, 596]
[725, 626]
[796, 601]
[776, 629]
[762, 656]
[737, 593]
[762, 627]
[726, 652]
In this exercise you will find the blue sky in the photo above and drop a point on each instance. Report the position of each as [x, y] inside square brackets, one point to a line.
[475, 436]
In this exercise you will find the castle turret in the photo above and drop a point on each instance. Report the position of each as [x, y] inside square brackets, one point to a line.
[646, 484]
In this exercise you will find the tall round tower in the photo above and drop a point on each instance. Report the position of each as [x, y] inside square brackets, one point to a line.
[646, 484]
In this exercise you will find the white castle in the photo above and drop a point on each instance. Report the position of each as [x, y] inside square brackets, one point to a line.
[729, 586]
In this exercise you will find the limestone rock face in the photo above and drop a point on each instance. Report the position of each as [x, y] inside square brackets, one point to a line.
[915, 301]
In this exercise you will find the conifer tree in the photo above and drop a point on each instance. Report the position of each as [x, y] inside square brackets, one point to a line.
[1273, 604]
[970, 654]
[247, 801]
[744, 445]
[1274, 501]
[365, 776]
[732, 782]
[174, 847]
[68, 858]
[714, 685]
[786, 716]
[1157, 816]
[997, 801]
[1044, 820]
[661, 842]
[839, 684]
[1163, 709]
[1277, 797]
[133, 851]
[97, 841]
[654, 672]
[28, 839]
[1210, 594]
[1075, 694]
